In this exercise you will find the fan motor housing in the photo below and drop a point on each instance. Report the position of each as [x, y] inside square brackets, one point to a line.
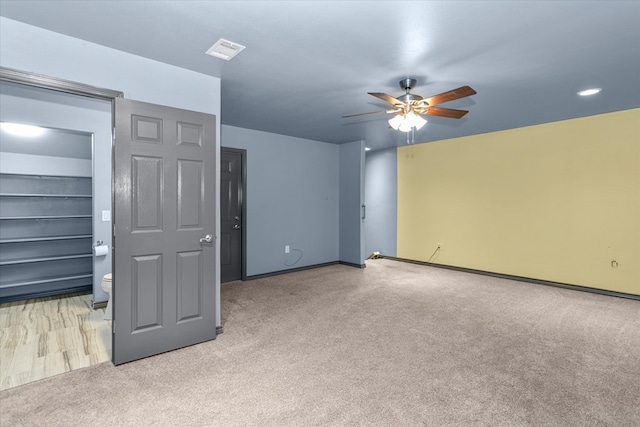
[406, 85]
[408, 97]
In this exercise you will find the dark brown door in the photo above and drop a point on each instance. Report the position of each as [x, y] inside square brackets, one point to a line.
[164, 291]
[231, 213]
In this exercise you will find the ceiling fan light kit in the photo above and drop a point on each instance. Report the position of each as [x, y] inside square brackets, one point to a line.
[410, 107]
[406, 122]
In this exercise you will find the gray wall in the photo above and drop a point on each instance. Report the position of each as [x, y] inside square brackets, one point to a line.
[292, 199]
[140, 79]
[351, 200]
[30, 164]
[381, 198]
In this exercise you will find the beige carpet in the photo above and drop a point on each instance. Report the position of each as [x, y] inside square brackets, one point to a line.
[394, 344]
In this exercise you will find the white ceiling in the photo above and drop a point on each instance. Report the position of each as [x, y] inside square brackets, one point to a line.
[307, 63]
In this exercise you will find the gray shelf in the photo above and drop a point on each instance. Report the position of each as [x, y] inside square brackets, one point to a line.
[46, 228]
[44, 239]
[49, 286]
[66, 196]
[53, 258]
[12, 218]
[46, 280]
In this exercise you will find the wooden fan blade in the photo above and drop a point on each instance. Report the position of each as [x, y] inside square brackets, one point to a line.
[390, 99]
[446, 112]
[460, 92]
[364, 114]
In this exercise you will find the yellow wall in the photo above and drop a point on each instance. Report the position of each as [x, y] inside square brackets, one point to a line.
[558, 201]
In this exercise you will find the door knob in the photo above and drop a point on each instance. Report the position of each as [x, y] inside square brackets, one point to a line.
[206, 239]
[236, 227]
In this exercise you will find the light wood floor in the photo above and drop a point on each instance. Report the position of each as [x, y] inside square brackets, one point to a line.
[44, 337]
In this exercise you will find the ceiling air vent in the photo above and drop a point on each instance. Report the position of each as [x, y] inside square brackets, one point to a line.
[224, 49]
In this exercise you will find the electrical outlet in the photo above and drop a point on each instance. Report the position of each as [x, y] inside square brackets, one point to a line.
[440, 247]
[286, 249]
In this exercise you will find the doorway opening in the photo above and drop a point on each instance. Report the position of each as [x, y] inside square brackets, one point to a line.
[46, 256]
[54, 198]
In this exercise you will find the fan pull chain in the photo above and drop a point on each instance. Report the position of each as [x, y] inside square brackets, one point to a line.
[412, 139]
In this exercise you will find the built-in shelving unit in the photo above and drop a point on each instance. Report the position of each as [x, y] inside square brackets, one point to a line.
[45, 236]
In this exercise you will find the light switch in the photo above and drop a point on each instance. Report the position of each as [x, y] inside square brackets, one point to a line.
[106, 215]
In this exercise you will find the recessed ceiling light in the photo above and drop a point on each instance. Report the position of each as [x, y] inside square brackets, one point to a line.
[225, 49]
[21, 130]
[588, 92]
[367, 148]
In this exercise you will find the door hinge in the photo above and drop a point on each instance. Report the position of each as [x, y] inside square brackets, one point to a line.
[113, 326]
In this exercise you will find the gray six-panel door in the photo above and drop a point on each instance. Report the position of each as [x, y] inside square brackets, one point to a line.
[164, 222]
[231, 214]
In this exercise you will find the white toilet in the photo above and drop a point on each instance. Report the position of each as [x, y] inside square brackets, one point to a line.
[106, 287]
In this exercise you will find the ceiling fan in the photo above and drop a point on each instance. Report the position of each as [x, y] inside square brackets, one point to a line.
[409, 107]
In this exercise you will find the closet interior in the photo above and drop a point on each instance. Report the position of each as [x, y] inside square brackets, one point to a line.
[46, 210]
